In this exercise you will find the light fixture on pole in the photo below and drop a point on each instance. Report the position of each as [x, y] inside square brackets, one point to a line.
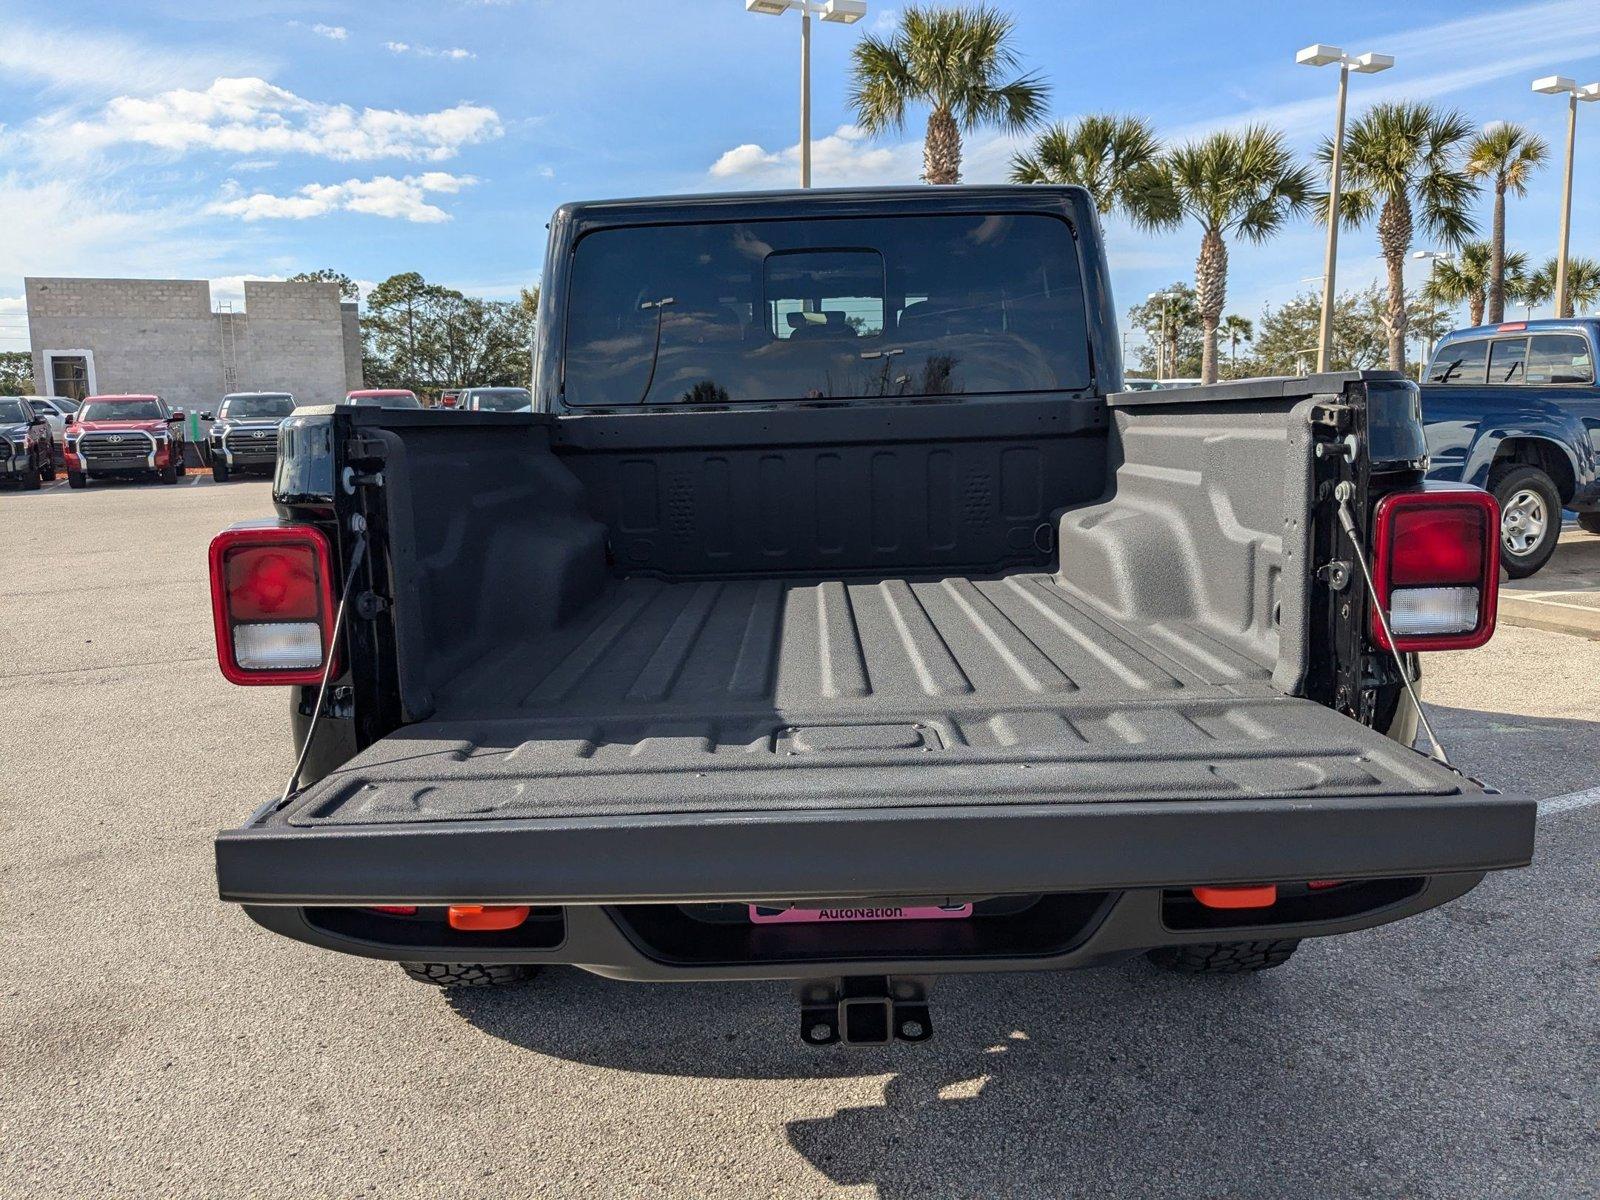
[1362, 64]
[840, 12]
[1560, 85]
[1432, 257]
[1161, 350]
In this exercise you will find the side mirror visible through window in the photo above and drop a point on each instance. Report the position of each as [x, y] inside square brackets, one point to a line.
[206, 416]
[71, 418]
[175, 415]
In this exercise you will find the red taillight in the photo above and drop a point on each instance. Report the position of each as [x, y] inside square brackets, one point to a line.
[394, 910]
[1436, 567]
[272, 603]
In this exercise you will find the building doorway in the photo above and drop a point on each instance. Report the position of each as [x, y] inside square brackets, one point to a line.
[70, 373]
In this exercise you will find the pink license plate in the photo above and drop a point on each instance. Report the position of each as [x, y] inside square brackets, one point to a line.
[817, 916]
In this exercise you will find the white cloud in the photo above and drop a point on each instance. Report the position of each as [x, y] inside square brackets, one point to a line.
[455, 52]
[380, 196]
[250, 116]
[336, 33]
[843, 157]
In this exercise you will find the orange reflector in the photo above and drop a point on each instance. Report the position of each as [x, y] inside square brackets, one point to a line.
[1252, 896]
[483, 918]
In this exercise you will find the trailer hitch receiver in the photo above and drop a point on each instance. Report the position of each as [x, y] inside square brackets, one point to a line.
[864, 1010]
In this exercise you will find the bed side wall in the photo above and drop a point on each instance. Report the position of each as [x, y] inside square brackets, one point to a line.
[490, 540]
[1205, 522]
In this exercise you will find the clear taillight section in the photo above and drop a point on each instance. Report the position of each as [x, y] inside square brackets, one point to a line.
[272, 603]
[1436, 567]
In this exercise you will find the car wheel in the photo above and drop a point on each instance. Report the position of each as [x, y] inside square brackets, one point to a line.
[1589, 521]
[469, 974]
[31, 477]
[183, 467]
[1530, 517]
[77, 479]
[219, 470]
[169, 473]
[1224, 958]
[49, 468]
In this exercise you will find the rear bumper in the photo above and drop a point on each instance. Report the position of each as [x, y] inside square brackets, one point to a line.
[664, 943]
[993, 849]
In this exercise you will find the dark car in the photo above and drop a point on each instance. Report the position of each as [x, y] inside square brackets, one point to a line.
[1514, 408]
[244, 436]
[496, 399]
[25, 444]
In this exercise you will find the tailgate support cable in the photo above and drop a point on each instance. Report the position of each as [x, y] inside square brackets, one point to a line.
[1347, 522]
[327, 668]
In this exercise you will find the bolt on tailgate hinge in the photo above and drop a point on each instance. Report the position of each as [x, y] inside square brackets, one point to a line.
[370, 604]
[1335, 574]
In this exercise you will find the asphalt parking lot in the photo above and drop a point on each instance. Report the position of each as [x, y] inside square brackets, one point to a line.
[156, 1043]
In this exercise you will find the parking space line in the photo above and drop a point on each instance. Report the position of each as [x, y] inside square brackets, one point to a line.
[1569, 802]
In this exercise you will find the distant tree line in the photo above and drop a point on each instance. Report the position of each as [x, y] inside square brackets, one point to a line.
[16, 373]
[431, 338]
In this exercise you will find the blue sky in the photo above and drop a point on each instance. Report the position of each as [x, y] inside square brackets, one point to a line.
[255, 138]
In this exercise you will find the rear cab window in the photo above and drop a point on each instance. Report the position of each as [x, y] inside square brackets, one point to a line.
[1507, 359]
[1559, 358]
[825, 309]
[1460, 362]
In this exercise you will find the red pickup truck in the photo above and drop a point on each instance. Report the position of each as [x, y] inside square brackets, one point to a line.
[122, 436]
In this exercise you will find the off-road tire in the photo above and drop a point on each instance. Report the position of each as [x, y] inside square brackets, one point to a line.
[1589, 521]
[219, 470]
[183, 467]
[168, 473]
[1224, 958]
[1505, 481]
[31, 477]
[469, 974]
[49, 468]
[77, 479]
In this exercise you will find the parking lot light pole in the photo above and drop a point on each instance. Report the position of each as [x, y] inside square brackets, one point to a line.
[1161, 348]
[1560, 85]
[841, 12]
[1363, 64]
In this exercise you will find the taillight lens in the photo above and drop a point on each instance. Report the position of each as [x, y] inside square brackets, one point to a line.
[1436, 568]
[272, 603]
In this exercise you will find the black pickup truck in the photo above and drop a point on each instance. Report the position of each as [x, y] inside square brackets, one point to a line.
[835, 617]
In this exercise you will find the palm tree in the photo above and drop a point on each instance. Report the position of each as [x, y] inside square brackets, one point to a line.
[1508, 155]
[1402, 163]
[956, 60]
[1583, 285]
[1117, 158]
[1235, 329]
[1465, 278]
[1246, 184]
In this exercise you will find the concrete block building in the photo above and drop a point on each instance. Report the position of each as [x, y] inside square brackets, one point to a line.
[102, 336]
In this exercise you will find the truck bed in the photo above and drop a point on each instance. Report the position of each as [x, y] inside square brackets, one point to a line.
[764, 695]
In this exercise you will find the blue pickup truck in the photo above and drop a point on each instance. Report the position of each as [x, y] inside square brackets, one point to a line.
[1514, 408]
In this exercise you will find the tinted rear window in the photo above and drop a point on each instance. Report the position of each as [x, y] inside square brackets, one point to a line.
[1560, 358]
[825, 309]
[1459, 362]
